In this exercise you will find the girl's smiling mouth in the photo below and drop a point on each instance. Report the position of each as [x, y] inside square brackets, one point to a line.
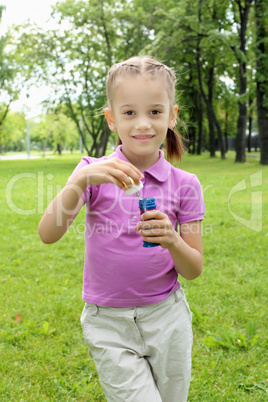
[143, 138]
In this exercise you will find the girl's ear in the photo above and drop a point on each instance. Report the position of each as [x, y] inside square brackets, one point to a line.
[173, 117]
[110, 119]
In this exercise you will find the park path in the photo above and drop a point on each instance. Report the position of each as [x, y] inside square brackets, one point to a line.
[19, 156]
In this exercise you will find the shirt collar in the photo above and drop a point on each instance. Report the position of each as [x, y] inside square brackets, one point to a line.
[160, 170]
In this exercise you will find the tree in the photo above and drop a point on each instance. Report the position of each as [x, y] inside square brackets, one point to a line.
[188, 34]
[56, 131]
[241, 20]
[3, 75]
[74, 61]
[11, 82]
[208, 43]
[13, 132]
[261, 16]
[227, 108]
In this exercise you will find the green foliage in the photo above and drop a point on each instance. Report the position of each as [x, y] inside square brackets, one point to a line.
[12, 131]
[46, 330]
[75, 58]
[204, 41]
[8, 89]
[261, 16]
[46, 132]
[230, 338]
[196, 35]
[54, 129]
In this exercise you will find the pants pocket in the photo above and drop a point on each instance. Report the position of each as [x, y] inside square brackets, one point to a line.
[182, 298]
[186, 305]
[88, 313]
[180, 343]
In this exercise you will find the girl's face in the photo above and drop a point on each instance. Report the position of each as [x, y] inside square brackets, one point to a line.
[141, 113]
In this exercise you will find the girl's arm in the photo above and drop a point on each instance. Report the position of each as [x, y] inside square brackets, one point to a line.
[60, 213]
[66, 205]
[187, 251]
[185, 248]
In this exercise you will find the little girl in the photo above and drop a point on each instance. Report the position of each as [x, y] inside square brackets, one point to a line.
[136, 320]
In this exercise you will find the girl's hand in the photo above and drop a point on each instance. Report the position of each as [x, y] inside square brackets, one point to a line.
[155, 227]
[114, 170]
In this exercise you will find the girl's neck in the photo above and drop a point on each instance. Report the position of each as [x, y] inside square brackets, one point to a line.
[140, 161]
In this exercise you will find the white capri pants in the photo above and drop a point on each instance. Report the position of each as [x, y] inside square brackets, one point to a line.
[141, 353]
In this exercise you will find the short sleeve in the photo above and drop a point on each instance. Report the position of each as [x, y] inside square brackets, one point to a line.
[192, 206]
[84, 162]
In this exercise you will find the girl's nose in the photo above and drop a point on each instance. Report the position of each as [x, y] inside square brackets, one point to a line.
[143, 124]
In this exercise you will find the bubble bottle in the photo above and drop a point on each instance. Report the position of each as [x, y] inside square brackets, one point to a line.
[147, 204]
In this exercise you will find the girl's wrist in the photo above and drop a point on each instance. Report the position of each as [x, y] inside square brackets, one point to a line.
[81, 179]
[176, 243]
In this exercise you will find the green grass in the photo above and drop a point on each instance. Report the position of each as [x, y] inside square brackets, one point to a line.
[44, 357]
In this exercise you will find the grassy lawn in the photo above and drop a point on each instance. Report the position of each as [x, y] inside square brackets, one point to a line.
[43, 356]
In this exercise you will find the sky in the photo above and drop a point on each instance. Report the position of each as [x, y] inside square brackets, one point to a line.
[17, 12]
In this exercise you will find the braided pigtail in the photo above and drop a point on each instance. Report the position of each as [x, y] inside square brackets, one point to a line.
[174, 145]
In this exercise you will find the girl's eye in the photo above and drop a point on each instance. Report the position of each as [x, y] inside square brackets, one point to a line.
[129, 113]
[155, 112]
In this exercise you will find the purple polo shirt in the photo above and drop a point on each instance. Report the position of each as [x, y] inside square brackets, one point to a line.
[118, 271]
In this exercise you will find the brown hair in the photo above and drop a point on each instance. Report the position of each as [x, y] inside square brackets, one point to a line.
[147, 65]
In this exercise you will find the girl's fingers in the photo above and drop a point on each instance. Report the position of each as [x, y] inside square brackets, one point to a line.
[153, 239]
[151, 233]
[121, 177]
[130, 171]
[154, 214]
[150, 225]
[121, 173]
[130, 178]
[154, 223]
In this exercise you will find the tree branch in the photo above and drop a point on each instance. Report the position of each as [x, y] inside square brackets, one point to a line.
[107, 39]
[5, 113]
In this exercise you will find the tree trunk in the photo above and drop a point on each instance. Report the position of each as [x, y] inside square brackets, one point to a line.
[212, 120]
[200, 124]
[249, 124]
[242, 118]
[194, 139]
[210, 102]
[226, 131]
[210, 106]
[45, 145]
[59, 148]
[2, 118]
[212, 147]
[220, 138]
[261, 67]
[103, 141]
[240, 143]
[263, 125]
